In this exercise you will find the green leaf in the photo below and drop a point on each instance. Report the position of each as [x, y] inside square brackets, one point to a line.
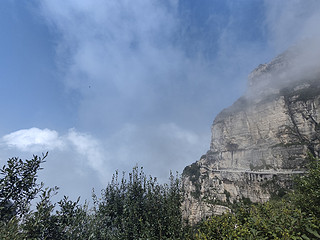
[315, 233]
[305, 237]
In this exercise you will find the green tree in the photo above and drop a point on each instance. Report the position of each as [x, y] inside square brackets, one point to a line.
[139, 208]
[69, 221]
[133, 207]
[307, 188]
[41, 224]
[18, 186]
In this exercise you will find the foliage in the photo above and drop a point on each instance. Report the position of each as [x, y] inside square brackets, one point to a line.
[10, 229]
[139, 208]
[271, 220]
[18, 186]
[134, 208]
[70, 221]
[307, 194]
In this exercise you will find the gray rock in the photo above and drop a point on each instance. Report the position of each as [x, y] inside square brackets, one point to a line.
[260, 141]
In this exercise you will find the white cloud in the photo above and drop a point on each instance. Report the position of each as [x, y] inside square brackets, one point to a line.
[90, 148]
[291, 25]
[34, 140]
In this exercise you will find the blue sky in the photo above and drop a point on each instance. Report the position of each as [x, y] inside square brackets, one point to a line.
[104, 85]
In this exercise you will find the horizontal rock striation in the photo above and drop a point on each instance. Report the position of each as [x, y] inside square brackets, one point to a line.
[260, 141]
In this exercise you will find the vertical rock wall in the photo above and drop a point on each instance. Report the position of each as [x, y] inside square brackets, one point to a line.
[258, 143]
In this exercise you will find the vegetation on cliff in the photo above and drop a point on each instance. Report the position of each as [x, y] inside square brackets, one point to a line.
[295, 216]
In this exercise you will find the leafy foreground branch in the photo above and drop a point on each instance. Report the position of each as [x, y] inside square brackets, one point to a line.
[138, 207]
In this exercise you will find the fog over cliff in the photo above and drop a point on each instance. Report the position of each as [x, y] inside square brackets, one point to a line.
[299, 62]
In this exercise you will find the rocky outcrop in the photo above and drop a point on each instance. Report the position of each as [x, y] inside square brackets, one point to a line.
[260, 141]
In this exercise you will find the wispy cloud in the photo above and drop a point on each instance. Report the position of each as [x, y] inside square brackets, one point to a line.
[91, 149]
[158, 148]
[35, 140]
[293, 28]
[288, 22]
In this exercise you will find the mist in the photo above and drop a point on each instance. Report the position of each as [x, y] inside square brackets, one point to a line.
[145, 79]
[299, 64]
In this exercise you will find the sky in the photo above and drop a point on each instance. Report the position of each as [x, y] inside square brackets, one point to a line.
[106, 85]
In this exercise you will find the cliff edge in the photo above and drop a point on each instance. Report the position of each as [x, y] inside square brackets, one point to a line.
[260, 141]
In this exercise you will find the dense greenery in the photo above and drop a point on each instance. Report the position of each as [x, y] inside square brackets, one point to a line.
[307, 194]
[272, 220]
[136, 206]
[133, 207]
[139, 208]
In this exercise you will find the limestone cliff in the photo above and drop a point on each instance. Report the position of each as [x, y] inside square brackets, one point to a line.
[261, 140]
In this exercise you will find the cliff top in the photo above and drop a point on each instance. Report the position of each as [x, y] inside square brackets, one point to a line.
[297, 70]
[299, 63]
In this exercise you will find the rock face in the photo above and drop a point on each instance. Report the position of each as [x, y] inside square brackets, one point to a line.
[260, 141]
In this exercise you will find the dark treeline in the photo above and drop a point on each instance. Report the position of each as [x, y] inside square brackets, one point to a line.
[136, 206]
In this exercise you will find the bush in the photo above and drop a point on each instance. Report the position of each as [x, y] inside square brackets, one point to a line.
[272, 220]
[307, 188]
[139, 208]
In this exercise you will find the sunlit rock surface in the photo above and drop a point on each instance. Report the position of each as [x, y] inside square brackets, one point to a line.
[260, 141]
